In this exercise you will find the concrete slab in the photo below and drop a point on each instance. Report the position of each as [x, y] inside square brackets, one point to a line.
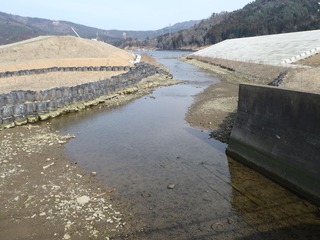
[277, 49]
[277, 133]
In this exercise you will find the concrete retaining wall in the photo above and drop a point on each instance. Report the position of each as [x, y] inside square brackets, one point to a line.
[277, 132]
[21, 107]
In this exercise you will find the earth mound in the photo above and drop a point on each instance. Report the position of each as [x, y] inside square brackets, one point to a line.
[61, 51]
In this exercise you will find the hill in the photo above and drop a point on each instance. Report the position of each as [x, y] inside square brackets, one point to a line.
[261, 17]
[141, 35]
[168, 40]
[60, 51]
[15, 28]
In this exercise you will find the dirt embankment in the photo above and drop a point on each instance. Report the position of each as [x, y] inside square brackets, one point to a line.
[61, 51]
[58, 51]
[215, 108]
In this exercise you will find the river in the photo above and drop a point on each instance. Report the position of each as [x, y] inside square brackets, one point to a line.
[178, 183]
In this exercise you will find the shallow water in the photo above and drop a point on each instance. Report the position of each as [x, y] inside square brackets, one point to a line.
[144, 146]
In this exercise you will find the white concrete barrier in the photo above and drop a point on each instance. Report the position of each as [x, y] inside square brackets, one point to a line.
[277, 49]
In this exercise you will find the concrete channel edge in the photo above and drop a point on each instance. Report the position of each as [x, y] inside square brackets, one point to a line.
[277, 132]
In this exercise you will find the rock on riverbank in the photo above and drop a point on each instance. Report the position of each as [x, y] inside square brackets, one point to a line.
[40, 189]
[45, 196]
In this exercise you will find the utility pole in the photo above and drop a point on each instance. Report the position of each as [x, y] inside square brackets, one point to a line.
[75, 32]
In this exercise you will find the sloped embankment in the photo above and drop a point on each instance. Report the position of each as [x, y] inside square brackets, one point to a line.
[61, 51]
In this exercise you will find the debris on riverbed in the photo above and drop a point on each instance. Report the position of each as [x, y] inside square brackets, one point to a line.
[218, 227]
[223, 132]
[40, 186]
[47, 166]
[55, 198]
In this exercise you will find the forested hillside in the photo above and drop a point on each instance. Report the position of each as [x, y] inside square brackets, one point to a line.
[260, 17]
[177, 40]
[14, 28]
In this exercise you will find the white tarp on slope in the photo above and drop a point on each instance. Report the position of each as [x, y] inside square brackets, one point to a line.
[277, 49]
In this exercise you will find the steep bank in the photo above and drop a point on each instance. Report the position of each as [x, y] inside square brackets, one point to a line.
[234, 72]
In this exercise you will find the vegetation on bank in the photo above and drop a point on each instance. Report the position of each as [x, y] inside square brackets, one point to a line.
[15, 28]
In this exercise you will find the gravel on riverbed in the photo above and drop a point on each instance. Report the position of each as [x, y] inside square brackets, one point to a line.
[45, 195]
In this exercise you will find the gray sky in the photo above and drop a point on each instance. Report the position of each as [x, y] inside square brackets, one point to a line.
[121, 14]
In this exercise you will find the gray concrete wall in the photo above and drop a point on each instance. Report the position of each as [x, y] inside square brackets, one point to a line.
[21, 107]
[277, 132]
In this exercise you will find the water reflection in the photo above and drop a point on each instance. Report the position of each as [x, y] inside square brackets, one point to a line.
[268, 211]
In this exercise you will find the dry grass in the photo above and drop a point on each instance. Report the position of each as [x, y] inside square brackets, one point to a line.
[150, 60]
[305, 79]
[245, 72]
[51, 80]
[313, 61]
[64, 51]
[236, 71]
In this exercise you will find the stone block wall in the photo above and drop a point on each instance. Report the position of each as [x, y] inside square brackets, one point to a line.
[63, 69]
[19, 107]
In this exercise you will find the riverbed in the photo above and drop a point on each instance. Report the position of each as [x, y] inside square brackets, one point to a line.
[176, 182]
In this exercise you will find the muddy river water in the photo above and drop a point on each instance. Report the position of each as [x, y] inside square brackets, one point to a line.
[178, 183]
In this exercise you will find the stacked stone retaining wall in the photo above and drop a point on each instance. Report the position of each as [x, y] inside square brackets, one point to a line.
[63, 69]
[20, 107]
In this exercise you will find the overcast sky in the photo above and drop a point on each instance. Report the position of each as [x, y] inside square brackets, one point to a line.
[121, 14]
